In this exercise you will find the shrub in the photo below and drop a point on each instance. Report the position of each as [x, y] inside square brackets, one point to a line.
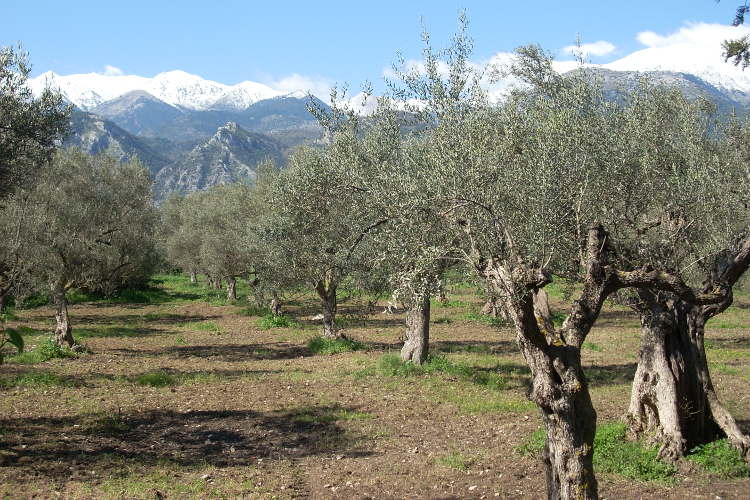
[46, 350]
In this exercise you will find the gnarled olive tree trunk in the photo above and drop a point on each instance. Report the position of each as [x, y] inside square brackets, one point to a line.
[63, 335]
[673, 400]
[231, 288]
[327, 292]
[417, 343]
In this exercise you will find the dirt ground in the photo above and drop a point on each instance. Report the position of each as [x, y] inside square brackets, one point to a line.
[251, 413]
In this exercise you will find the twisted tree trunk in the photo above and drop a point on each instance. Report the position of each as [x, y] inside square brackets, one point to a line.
[231, 288]
[63, 335]
[193, 278]
[327, 292]
[673, 399]
[417, 343]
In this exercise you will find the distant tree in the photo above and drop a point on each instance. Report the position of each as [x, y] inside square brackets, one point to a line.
[91, 225]
[181, 235]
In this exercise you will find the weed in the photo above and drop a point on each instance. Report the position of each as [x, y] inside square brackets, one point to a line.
[456, 461]
[323, 345]
[720, 459]
[180, 340]
[449, 303]
[558, 318]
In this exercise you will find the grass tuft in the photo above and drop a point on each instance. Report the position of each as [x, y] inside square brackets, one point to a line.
[323, 345]
[456, 461]
[44, 351]
[158, 378]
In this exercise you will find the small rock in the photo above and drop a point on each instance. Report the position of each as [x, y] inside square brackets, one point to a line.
[472, 488]
[206, 477]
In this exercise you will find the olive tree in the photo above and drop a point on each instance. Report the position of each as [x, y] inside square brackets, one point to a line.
[91, 225]
[317, 215]
[29, 126]
[548, 183]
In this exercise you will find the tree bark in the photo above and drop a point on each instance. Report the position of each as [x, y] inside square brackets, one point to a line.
[231, 288]
[209, 281]
[275, 304]
[63, 335]
[217, 283]
[193, 278]
[2, 300]
[417, 343]
[327, 292]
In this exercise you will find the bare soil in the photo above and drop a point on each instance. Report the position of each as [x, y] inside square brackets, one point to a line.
[255, 414]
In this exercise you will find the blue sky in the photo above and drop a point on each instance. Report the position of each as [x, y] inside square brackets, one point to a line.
[335, 41]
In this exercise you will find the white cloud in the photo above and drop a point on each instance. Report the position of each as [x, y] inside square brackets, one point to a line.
[112, 71]
[600, 48]
[318, 86]
[700, 34]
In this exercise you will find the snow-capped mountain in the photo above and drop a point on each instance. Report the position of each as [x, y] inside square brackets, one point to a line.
[176, 88]
[695, 49]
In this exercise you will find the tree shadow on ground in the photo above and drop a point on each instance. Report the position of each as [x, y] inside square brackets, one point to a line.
[125, 319]
[477, 347]
[727, 342]
[114, 444]
[617, 318]
[601, 375]
[226, 352]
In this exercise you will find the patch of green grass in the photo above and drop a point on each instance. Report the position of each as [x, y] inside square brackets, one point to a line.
[614, 454]
[180, 340]
[329, 415]
[720, 459]
[533, 445]
[323, 345]
[456, 461]
[8, 315]
[726, 323]
[158, 378]
[558, 318]
[723, 368]
[44, 351]
[482, 318]
[591, 347]
[281, 321]
[443, 321]
[164, 378]
[391, 365]
[111, 425]
[34, 379]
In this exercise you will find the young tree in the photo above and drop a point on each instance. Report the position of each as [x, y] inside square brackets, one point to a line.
[92, 222]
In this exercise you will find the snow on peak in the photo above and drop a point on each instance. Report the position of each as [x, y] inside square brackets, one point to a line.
[175, 87]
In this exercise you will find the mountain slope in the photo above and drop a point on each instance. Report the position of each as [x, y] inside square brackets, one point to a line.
[94, 135]
[138, 112]
[230, 155]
